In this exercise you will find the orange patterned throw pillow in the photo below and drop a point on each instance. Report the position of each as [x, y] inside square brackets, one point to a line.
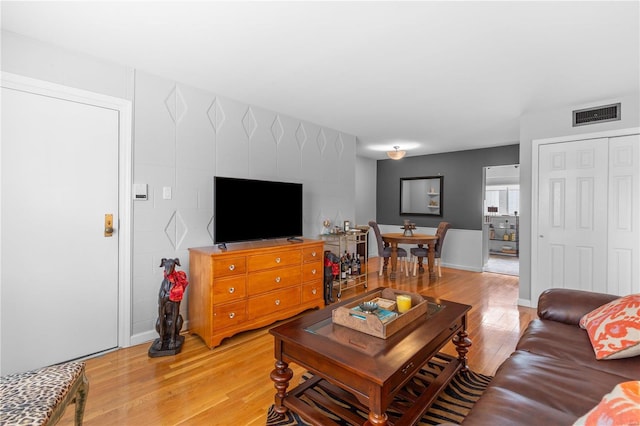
[619, 407]
[614, 328]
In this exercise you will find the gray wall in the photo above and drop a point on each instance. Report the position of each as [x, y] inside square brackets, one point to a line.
[366, 196]
[462, 196]
[184, 136]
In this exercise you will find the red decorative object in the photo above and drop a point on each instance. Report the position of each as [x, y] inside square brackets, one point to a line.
[178, 280]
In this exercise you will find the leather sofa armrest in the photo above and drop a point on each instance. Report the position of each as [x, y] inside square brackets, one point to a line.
[568, 306]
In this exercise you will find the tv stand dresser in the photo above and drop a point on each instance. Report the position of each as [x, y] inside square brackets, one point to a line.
[252, 284]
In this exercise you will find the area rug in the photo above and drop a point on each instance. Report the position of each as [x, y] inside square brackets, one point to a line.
[451, 405]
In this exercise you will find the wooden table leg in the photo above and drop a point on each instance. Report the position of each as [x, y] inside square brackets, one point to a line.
[432, 259]
[421, 260]
[281, 376]
[81, 399]
[376, 419]
[462, 342]
[394, 260]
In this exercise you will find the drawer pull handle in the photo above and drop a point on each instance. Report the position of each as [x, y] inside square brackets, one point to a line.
[453, 327]
[314, 291]
[232, 315]
[231, 290]
[277, 279]
[313, 254]
[277, 302]
[313, 272]
[232, 267]
[277, 260]
[407, 368]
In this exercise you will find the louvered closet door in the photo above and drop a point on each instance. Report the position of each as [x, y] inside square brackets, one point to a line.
[572, 221]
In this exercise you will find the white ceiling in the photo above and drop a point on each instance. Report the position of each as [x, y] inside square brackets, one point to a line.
[428, 76]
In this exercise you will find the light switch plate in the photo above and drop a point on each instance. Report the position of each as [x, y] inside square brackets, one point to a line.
[166, 193]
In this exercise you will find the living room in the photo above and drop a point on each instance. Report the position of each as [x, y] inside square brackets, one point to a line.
[182, 133]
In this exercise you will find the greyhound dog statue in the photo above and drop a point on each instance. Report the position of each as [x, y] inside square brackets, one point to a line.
[169, 322]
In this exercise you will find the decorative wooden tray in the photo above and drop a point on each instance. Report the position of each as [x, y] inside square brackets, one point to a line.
[350, 316]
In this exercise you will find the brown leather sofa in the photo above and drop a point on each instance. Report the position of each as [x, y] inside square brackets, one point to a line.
[553, 377]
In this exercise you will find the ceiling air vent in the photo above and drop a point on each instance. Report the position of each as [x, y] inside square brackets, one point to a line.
[582, 117]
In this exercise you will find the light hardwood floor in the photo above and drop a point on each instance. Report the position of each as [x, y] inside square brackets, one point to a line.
[230, 385]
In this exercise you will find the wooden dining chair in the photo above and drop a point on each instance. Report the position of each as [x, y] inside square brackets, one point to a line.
[417, 252]
[385, 252]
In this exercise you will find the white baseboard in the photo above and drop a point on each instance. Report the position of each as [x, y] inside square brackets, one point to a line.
[525, 302]
[151, 335]
[462, 267]
[144, 337]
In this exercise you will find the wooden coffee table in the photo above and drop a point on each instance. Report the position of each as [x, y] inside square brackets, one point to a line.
[369, 368]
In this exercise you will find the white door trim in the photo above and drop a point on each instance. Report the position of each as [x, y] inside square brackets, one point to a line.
[123, 106]
[535, 146]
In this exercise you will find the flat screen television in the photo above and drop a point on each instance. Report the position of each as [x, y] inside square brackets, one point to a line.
[249, 209]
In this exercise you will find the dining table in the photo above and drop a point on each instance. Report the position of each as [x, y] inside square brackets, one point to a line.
[392, 239]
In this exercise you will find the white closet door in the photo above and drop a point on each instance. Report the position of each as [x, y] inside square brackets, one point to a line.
[59, 271]
[624, 215]
[572, 216]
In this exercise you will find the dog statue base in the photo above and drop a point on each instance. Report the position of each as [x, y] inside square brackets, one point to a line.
[160, 348]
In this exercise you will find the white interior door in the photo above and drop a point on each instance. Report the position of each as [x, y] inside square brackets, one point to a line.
[572, 216]
[624, 215]
[59, 272]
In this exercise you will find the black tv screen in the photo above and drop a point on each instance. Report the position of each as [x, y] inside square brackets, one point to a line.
[249, 209]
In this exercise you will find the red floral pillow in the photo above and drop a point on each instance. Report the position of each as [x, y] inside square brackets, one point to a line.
[621, 406]
[614, 328]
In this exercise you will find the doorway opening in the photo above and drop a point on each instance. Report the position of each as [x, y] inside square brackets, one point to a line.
[501, 223]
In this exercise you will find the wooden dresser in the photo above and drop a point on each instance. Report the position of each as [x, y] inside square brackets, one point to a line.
[250, 285]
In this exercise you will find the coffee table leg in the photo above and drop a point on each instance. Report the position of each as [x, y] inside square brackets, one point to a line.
[376, 419]
[281, 376]
[462, 342]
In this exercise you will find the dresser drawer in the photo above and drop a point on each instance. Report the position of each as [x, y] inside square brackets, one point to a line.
[309, 254]
[312, 271]
[411, 367]
[312, 291]
[271, 302]
[229, 289]
[229, 314]
[229, 266]
[274, 260]
[261, 282]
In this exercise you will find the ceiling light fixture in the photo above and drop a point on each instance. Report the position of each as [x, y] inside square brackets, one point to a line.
[396, 155]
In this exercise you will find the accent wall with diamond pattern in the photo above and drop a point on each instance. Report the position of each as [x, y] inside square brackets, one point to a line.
[183, 137]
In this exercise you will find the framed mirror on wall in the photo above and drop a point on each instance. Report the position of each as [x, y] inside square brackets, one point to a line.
[421, 195]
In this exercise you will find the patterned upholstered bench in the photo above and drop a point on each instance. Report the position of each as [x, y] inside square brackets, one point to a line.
[40, 397]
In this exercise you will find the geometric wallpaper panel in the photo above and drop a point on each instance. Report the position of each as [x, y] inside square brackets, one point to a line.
[183, 137]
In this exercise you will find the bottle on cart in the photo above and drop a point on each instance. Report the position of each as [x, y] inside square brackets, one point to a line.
[358, 265]
[354, 266]
[343, 267]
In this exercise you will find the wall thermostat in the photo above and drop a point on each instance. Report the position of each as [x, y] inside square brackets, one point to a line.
[140, 191]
